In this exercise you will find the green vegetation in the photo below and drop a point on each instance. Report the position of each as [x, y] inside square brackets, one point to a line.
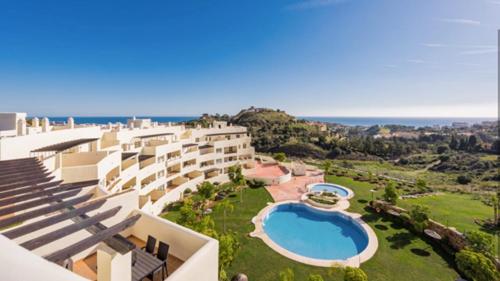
[390, 194]
[481, 242]
[280, 156]
[354, 274]
[419, 217]
[452, 209]
[476, 266]
[398, 248]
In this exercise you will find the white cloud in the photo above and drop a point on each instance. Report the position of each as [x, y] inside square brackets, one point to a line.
[309, 4]
[480, 51]
[434, 45]
[461, 21]
[390, 66]
[416, 61]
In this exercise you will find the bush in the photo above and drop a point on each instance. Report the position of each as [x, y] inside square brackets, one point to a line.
[287, 275]
[476, 266]
[442, 149]
[390, 194]
[419, 217]
[464, 179]
[187, 191]
[256, 184]
[354, 274]
[280, 156]
[315, 277]
[480, 242]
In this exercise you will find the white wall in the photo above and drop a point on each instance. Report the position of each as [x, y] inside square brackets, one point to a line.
[199, 252]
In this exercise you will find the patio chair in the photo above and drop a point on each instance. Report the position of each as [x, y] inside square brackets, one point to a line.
[150, 245]
[162, 255]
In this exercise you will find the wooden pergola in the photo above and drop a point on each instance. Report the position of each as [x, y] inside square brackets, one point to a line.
[28, 191]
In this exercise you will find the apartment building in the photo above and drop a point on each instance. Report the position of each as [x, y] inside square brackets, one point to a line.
[85, 196]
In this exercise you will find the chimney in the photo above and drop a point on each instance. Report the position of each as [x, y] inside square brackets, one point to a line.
[45, 124]
[71, 123]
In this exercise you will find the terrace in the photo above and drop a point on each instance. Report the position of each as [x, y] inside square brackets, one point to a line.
[97, 239]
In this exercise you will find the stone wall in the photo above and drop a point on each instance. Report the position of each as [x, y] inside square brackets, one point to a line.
[455, 238]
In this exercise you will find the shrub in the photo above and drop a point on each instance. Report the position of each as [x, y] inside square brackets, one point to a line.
[280, 156]
[419, 216]
[287, 275]
[442, 149]
[187, 191]
[354, 274]
[476, 266]
[480, 242]
[206, 190]
[390, 194]
[256, 184]
[464, 179]
[315, 277]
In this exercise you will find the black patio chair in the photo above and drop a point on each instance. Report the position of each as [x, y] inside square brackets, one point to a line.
[162, 255]
[150, 245]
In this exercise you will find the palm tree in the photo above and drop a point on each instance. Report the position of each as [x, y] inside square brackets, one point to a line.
[236, 176]
[225, 206]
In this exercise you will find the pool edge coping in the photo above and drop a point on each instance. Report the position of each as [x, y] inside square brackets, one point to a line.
[350, 193]
[354, 261]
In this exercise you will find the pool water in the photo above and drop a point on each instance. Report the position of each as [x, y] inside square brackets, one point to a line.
[314, 233]
[342, 192]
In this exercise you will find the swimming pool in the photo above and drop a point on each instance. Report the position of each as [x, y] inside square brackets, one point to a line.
[314, 233]
[340, 191]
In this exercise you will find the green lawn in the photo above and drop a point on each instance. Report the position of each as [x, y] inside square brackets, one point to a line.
[453, 209]
[401, 255]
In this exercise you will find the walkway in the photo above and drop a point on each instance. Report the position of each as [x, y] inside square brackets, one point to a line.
[293, 189]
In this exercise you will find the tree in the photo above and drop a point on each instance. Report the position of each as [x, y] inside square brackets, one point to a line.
[315, 277]
[464, 179]
[421, 185]
[480, 242]
[476, 266]
[390, 193]
[327, 167]
[228, 246]
[419, 217]
[287, 275]
[206, 190]
[187, 214]
[280, 156]
[225, 206]
[442, 149]
[354, 274]
[236, 176]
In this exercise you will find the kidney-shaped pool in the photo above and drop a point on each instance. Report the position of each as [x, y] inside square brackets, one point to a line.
[314, 233]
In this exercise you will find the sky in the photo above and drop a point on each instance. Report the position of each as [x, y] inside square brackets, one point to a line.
[411, 58]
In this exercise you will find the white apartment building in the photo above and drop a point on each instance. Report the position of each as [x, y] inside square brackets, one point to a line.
[76, 195]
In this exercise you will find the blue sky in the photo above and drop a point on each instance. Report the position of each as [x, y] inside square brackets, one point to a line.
[308, 57]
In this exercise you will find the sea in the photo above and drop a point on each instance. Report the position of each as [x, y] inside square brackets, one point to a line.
[349, 121]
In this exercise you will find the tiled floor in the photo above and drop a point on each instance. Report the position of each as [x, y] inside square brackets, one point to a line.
[293, 189]
[88, 267]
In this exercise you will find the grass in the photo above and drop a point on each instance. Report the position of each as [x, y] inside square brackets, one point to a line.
[401, 254]
[453, 209]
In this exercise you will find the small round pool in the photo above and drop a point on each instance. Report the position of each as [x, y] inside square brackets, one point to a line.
[314, 233]
[340, 191]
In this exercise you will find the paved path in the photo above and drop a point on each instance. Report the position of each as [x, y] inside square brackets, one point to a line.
[293, 189]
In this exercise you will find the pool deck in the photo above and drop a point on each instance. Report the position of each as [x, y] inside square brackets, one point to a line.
[354, 261]
[294, 189]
